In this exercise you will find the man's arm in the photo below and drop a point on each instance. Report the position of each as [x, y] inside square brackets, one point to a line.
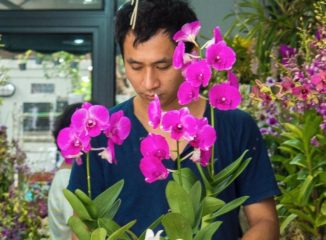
[263, 221]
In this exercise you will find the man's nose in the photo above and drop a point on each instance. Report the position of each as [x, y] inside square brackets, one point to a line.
[150, 79]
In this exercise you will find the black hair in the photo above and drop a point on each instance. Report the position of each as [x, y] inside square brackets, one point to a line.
[152, 16]
[63, 120]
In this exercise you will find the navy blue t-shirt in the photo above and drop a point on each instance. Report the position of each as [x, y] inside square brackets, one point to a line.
[236, 132]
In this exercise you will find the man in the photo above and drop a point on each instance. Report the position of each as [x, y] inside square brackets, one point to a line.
[147, 51]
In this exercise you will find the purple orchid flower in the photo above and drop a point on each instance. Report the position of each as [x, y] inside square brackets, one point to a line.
[178, 55]
[72, 143]
[119, 128]
[180, 123]
[155, 146]
[187, 93]
[154, 112]
[205, 135]
[198, 73]
[220, 56]
[201, 156]
[224, 96]
[233, 79]
[218, 37]
[92, 119]
[153, 169]
[188, 32]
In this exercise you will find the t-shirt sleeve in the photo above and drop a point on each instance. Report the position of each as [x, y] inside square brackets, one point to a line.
[257, 181]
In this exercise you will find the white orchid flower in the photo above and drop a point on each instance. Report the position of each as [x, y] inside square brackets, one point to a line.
[150, 235]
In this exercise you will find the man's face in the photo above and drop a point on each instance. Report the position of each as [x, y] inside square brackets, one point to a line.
[149, 68]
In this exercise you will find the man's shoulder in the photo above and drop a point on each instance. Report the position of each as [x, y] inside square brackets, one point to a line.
[125, 106]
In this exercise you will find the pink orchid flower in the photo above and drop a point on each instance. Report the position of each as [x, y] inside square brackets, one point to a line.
[180, 123]
[178, 55]
[205, 135]
[92, 119]
[155, 146]
[224, 96]
[153, 169]
[198, 73]
[72, 143]
[118, 128]
[220, 56]
[109, 153]
[154, 112]
[301, 92]
[188, 32]
[218, 37]
[201, 156]
[187, 93]
[233, 79]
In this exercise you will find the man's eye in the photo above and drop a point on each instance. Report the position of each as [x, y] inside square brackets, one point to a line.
[136, 67]
[163, 66]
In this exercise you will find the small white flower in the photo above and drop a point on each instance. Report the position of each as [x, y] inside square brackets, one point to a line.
[150, 235]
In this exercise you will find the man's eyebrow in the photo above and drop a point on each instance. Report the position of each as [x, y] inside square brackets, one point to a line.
[133, 61]
[163, 60]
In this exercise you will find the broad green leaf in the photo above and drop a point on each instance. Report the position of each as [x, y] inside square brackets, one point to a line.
[77, 205]
[211, 204]
[177, 226]
[88, 203]
[229, 207]
[195, 197]
[220, 186]
[322, 178]
[179, 201]
[121, 231]
[229, 169]
[105, 200]
[188, 178]
[311, 127]
[302, 215]
[288, 150]
[287, 221]
[79, 228]
[152, 226]
[208, 231]
[98, 234]
[305, 191]
[323, 208]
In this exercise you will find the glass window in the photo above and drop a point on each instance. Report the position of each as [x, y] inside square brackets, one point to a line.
[51, 4]
[45, 81]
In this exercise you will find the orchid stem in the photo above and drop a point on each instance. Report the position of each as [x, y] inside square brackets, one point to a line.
[212, 155]
[179, 162]
[88, 176]
[187, 156]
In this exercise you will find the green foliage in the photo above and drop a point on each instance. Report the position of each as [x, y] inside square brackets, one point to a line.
[269, 24]
[301, 168]
[6, 163]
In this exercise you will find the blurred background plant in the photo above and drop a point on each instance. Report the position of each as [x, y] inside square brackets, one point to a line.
[291, 110]
[267, 24]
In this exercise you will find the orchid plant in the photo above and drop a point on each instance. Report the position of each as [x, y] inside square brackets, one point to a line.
[193, 209]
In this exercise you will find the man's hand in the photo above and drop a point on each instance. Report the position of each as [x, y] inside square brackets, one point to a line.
[263, 221]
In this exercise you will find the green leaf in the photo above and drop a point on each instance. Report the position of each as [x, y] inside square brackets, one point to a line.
[188, 178]
[287, 221]
[220, 186]
[208, 231]
[121, 231]
[321, 221]
[211, 204]
[294, 143]
[226, 172]
[79, 228]
[195, 197]
[110, 213]
[305, 191]
[87, 201]
[111, 226]
[105, 200]
[179, 201]
[229, 207]
[311, 126]
[294, 129]
[177, 226]
[299, 160]
[77, 205]
[323, 208]
[98, 234]
[152, 226]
